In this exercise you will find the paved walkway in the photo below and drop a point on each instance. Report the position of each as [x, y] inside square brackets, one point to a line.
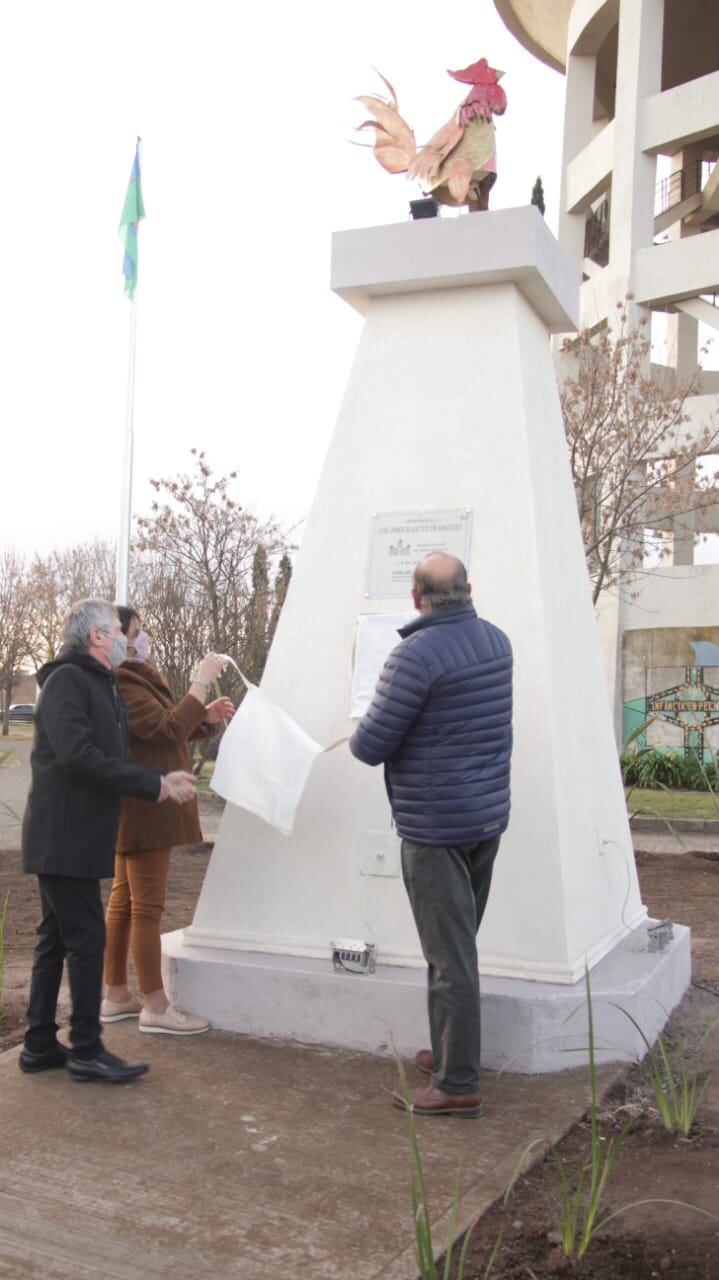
[238, 1157]
[14, 783]
[662, 841]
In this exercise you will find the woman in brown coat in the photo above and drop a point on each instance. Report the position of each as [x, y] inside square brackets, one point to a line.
[159, 731]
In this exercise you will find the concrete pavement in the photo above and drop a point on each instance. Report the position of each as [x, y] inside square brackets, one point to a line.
[244, 1158]
[14, 784]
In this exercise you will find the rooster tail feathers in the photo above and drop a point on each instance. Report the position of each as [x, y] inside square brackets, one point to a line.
[386, 82]
[392, 158]
[395, 146]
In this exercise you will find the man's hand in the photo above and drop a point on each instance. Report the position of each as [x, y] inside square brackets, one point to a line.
[177, 786]
[220, 709]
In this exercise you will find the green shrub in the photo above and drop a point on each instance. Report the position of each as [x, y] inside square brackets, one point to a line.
[702, 777]
[654, 769]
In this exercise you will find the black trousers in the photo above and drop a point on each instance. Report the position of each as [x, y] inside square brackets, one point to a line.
[448, 887]
[72, 930]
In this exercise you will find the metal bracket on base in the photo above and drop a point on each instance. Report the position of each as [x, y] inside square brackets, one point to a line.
[352, 956]
[660, 935]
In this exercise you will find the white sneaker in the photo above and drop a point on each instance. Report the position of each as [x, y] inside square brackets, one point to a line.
[173, 1022]
[113, 1011]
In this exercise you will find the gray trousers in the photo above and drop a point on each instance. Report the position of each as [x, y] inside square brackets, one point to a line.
[448, 887]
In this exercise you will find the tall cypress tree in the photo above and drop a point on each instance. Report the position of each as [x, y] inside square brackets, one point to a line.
[538, 195]
[282, 582]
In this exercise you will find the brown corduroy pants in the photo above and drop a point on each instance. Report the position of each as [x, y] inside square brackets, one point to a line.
[133, 916]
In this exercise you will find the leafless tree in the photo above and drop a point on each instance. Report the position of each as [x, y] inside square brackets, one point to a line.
[15, 601]
[200, 577]
[631, 455]
[174, 617]
[84, 571]
[201, 568]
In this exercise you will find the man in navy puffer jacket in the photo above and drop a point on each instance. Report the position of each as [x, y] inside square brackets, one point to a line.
[441, 723]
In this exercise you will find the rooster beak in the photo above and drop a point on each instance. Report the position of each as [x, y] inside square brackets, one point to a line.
[499, 74]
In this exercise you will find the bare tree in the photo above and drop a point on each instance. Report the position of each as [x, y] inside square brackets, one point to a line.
[201, 568]
[200, 577]
[15, 603]
[175, 617]
[57, 581]
[631, 454]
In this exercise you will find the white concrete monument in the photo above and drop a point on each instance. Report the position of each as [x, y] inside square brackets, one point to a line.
[450, 434]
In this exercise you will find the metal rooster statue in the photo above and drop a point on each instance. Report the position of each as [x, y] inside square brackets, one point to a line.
[459, 164]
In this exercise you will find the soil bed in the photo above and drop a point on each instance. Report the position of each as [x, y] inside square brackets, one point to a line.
[187, 871]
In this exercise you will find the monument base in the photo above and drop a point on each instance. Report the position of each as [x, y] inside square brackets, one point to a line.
[525, 1025]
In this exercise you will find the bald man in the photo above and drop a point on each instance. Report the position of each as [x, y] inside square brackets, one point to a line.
[440, 722]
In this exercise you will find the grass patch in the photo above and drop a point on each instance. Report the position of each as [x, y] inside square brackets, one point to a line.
[672, 804]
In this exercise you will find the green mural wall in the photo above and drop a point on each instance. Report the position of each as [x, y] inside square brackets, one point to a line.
[671, 686]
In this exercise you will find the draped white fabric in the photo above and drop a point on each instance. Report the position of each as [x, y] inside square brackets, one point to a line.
[264, 760]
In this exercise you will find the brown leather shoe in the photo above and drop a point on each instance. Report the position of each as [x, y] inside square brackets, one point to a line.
[424, 1062]
[433, 1102]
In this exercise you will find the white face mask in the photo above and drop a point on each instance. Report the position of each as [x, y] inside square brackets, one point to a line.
[141, 645]
[118, 652]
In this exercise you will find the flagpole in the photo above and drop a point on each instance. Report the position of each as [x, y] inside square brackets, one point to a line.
[133, 211]
[123, 542]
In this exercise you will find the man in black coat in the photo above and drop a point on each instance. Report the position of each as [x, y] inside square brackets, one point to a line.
[441, 723]
[79, 774]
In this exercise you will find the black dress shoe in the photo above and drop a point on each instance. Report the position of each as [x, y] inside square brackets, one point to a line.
[56, 1056]
[105, 1066]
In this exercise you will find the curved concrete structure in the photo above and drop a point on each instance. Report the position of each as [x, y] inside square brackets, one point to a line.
[540, 25]
[642, 83]
[642, 103]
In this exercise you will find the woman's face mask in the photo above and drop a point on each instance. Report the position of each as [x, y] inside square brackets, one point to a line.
[141, 645]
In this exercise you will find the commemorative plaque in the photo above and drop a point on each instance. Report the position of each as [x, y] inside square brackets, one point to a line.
[400, 539]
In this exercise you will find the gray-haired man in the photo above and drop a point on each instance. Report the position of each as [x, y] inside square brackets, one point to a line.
[79, 773]
[441, 723]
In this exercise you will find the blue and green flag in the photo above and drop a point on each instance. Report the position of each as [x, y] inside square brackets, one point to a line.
[132, 212]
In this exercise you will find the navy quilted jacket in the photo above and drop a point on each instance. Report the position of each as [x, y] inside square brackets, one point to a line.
[441, 722]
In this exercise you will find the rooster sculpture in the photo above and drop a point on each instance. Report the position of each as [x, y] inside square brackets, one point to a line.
[458, 165]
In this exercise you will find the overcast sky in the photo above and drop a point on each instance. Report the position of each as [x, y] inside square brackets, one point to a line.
[246, 114]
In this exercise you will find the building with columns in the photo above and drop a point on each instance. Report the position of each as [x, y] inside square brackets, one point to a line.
[640, 216]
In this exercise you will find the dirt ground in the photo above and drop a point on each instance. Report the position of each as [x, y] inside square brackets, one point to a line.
[651, 1241]
[187, 871]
